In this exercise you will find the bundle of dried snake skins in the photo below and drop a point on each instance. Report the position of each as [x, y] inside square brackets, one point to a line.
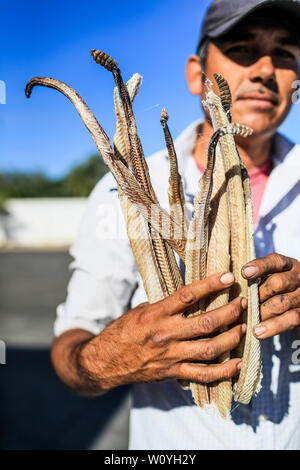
[219, 236]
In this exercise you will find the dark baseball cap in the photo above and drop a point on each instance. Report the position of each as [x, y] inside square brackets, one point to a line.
[223, 15]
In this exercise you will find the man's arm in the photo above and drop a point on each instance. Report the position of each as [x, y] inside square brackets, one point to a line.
[65, 359]
[154, 342]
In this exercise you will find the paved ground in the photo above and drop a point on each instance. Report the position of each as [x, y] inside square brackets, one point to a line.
[36, 410]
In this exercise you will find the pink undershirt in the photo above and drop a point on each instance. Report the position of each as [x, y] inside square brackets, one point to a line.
[258, 180]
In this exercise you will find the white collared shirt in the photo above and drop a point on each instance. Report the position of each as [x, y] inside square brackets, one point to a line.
[105, 283]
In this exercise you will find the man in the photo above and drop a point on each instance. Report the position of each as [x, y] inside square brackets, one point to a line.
[101, 343]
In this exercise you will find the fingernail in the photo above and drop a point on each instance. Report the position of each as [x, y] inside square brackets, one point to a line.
[250, 271]
[244, 327]
[227, 278]
[244, 303]
[239, 366]
[260, 330]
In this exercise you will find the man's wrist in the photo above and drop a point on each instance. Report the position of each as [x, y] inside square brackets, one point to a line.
[88, 367]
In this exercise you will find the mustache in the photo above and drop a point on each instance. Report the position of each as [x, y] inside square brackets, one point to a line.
[260, 91]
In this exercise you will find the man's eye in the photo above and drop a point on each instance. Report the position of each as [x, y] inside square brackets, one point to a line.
[239, 50]
[284, 54]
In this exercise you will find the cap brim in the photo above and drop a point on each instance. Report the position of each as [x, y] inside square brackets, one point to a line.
[291, 6]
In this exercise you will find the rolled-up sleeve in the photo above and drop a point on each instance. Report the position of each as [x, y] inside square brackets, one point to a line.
[104, 275]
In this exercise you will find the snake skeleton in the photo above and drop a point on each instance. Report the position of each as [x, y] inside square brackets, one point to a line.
[219, 236]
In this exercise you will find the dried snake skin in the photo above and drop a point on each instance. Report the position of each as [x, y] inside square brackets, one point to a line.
[218, 238]
[242, 251]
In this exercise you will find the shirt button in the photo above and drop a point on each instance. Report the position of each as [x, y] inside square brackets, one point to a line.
[262, 418]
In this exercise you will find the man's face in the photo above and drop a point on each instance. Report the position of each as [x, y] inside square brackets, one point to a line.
[260, 65]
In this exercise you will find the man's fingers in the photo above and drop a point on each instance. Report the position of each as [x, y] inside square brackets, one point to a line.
[279, 283]
[210, 349]
[210, 322]
[188, 295]
[280, 304]
[277, 325]
[272, 263]
[207, 373]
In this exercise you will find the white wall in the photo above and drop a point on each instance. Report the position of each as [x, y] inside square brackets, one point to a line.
[41, 222]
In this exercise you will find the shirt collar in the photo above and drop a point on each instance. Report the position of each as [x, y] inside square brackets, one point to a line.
[280, 148]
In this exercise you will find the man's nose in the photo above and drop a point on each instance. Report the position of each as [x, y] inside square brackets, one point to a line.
[263, 71]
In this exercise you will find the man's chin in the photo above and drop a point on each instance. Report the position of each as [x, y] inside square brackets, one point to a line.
[261, 123]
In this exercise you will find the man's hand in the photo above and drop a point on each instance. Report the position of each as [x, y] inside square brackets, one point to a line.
[154, 342]
[279, 293]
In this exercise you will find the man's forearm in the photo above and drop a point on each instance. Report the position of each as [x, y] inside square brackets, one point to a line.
[66, 358]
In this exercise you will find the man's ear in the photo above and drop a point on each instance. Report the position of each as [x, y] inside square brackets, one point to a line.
[193, 75]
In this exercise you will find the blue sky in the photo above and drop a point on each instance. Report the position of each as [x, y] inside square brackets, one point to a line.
[54, 38]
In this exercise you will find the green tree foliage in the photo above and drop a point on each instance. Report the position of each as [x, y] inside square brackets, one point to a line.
[79, 182]
[82, 178]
